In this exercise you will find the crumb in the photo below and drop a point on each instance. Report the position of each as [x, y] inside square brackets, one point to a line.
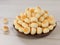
[5, 28]
[5, 20]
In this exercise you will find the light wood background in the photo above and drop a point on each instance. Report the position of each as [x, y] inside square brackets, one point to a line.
[12, 8]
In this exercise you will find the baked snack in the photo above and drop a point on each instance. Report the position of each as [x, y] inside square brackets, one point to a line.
[5, 28]
[34, 22]
[5, 20]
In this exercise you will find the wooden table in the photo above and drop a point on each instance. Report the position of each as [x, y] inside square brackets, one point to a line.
[12, 8]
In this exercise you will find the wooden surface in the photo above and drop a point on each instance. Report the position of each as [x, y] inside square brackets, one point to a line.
[12, 8]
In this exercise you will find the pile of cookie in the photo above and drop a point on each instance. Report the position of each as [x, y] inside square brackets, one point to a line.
[34, 21]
